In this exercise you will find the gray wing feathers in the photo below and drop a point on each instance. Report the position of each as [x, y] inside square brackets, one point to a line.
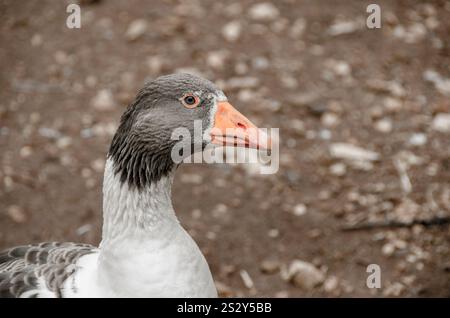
[22, 267]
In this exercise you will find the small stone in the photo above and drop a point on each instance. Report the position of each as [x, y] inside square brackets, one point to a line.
[84, 229]
[260, 63]
[217, 59]
[343, 27]
[299, 209]
[64, 142]
[392, 104]
[98, 165]
[263, 12]
[298, 126]
[298, 28]
[155, 64]
[61, 57]
[270, 266]
[417, 139]
[282, 294]
[351, 152]
[242, 82]
[26, 151]
[17, 214]
[441, 83]
[103, 101]
[338, 169]
[331, 284]
[273, 233]
[191, 178]
[246, 279]
[304, 275]
[36, 40]
[391, 87]
[407, 211]
[384, 125]
[441, 123]
[394, 290]
[136, 29]
[224, 290]
[220, 210]
[232, 31]
[196, 214]
[330, 119]
[388, 249]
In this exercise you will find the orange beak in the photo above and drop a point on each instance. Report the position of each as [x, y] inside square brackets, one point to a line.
[231, 128]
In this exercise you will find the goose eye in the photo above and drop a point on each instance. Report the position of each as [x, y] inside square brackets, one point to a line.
[190, 101]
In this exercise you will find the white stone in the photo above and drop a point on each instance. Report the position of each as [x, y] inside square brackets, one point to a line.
[303, 274]
[384, 125]
[418, 139]
[441, 123]
[330, 119]
[232, 31]
[351, 152]
[338, 169]
[299, 209]
[265, 11]
[103, 101]
[136, 29]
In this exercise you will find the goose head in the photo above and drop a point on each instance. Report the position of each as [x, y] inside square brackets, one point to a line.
[142, 146]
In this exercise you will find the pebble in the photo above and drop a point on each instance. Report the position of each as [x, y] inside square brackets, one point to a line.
[246, 279]
[26, 151]
[330, 119]
[343, 27]
[331, 284]
[441, 123]
[270, 266]
[217, 59]
[394, 290]
[338, 169]
[411, 34]
[84, 229]
[155, 64]
[103, 101]
[260, 63]
[63, 142]
[232, 31]
[388, 249]
[136, 29]
[298, 28]
[224, 290]
[303, 274]
[242, 82]
[417, 139]
[384, 125]
[441, 83]
[17, 214]
[407, 211]
[351, 152]
[391, 87]
[36, 40]
[300, 209]
[273, 233]
[265, 11]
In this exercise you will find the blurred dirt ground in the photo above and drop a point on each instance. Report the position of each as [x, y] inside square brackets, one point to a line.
[311, 68]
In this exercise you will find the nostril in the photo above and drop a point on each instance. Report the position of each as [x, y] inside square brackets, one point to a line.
[241, 125]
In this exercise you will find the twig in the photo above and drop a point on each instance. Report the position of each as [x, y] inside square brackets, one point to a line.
[392, 223]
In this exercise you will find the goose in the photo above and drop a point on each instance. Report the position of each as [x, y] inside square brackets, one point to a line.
[144, 251]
